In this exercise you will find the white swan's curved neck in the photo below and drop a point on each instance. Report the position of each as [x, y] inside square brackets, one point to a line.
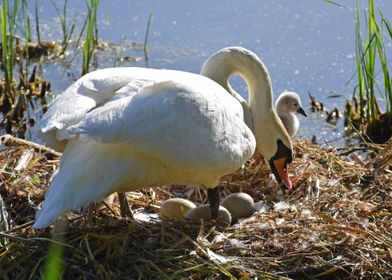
[220, 66]
[259, 113]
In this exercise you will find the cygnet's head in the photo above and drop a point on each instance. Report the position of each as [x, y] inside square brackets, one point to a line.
[289, 102]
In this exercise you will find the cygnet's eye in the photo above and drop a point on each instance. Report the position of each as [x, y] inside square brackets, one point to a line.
[296, 104]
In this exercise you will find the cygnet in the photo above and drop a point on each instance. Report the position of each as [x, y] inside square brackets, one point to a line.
[287, 104]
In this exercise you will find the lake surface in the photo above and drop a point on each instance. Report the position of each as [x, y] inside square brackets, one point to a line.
[307, 45]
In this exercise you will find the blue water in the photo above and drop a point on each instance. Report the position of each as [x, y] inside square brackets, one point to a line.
[307, 45]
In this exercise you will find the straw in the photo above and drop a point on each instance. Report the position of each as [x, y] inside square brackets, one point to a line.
[336, 224]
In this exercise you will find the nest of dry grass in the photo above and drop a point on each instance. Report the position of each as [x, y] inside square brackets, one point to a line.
[336, 224]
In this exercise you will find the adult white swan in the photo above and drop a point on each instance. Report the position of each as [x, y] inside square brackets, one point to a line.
[124, 129]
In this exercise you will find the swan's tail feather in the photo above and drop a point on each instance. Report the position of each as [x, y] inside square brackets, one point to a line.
[75, 185]
[53, 206]
[65, 194]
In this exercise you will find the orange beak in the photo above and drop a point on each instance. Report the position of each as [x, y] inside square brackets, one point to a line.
[283, 171]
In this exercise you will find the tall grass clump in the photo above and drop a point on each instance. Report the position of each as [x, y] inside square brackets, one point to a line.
[373, 76]
[8, 27]
[91, 36]
[18, 87]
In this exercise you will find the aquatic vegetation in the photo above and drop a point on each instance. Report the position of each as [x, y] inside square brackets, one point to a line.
[91, 35]
[66, 31]
[145, 50]
[147, 32]
[363, 112]
[8, 26]
[17, 93]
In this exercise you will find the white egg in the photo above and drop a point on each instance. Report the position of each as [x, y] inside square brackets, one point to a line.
[175, 208]
[240, 205]
[204, 212]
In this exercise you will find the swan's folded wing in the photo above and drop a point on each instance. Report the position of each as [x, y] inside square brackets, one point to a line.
[89, 92]
[175, 123]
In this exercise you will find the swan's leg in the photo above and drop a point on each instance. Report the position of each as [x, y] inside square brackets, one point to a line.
[124, 206]
[214, 200]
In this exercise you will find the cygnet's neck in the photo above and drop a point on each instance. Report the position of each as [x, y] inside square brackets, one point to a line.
[290, 122]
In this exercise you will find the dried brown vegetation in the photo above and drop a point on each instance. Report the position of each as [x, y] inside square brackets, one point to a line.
[336, 224]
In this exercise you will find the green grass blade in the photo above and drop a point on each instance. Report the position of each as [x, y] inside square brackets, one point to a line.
[335, 3]
[147, 31]
[54, 265]
[90, 39]
[359, 61]
[37, 22]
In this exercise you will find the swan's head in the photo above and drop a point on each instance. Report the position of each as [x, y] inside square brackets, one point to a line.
[289, 102]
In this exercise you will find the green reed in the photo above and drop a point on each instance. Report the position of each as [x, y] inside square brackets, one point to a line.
[27, 36]
[90, 35]
[147, 31]
[37, 22]
[67, 31]
[371, 62]
[8, 29]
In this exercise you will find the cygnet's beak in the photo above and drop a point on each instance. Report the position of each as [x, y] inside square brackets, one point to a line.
[302, 112]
